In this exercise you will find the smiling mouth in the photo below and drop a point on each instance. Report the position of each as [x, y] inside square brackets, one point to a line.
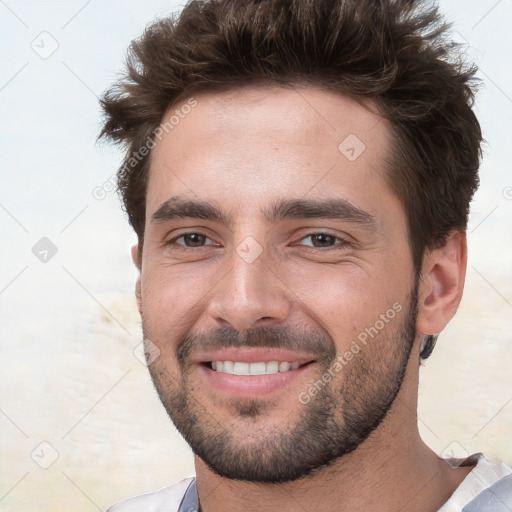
[256, 368]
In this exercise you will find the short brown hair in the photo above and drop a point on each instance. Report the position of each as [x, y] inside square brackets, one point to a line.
[394, 52]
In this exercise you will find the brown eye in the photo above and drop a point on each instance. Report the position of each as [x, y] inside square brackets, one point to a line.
[190, 240]
[193, 239]
[323, 240]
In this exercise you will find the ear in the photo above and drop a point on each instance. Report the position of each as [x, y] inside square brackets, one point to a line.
[441, 284]
[138, 264]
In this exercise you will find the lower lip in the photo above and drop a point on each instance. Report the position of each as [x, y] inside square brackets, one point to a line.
[250, 385]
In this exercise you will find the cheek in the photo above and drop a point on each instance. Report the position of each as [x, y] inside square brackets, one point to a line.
[345, 300]
[172, 295]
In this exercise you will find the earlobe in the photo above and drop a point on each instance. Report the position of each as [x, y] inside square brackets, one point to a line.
[135, 256]
[442, 284]
[136, 260]
[138, 294]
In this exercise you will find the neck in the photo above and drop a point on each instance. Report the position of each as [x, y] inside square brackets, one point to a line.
[392, 470]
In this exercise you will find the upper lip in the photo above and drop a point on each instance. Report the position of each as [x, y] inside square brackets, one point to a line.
[254, 355]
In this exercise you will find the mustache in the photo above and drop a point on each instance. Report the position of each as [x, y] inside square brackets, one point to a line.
[321, 345]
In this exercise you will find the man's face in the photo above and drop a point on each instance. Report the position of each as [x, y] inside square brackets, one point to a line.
[274, 246]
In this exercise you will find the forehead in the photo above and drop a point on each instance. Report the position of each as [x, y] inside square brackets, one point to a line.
[245, 147]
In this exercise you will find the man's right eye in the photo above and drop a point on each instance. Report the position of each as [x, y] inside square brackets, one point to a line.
[190, 240]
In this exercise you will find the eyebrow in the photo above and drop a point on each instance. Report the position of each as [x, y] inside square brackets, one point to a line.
[334, 208]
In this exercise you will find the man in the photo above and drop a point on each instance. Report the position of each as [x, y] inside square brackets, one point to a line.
[299, 176]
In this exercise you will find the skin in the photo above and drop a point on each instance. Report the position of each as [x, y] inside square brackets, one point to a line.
[243, 150]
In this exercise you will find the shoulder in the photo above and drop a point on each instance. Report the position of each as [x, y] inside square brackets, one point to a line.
[483, 485]
[167, 499]
[497, 497]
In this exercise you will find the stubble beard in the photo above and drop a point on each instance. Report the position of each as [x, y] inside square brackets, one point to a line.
[338, 419]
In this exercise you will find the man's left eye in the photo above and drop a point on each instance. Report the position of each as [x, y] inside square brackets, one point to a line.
[320, 240]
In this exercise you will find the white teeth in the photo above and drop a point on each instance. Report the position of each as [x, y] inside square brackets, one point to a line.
[259, 368]
[284, 366]
[226, 367]
[241, 368]
[272, 367]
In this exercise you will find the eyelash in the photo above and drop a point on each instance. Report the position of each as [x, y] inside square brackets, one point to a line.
[342, 242]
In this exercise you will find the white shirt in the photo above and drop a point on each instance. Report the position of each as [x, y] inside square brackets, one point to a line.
[487, 487]
[479, 481]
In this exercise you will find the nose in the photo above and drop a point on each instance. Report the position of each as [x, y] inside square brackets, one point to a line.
[250, 295]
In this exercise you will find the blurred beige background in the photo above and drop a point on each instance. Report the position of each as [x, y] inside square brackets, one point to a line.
[80, 423]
